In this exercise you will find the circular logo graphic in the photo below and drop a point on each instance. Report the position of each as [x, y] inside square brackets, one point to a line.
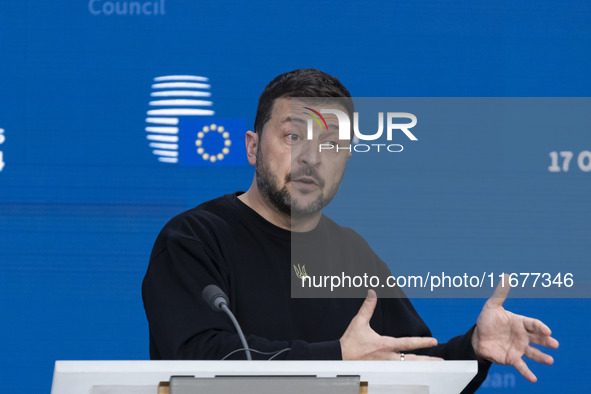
[209, 155]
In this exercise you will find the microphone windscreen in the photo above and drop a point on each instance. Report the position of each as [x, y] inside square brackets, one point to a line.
[211, 293]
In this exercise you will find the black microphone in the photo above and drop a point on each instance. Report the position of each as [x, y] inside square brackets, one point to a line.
[214, 296]
[218, 301]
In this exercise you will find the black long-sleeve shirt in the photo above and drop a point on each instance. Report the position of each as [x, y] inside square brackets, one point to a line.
[224, 242]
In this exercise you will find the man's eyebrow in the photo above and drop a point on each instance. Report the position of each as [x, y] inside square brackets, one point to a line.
[333, 128]
[289, 119]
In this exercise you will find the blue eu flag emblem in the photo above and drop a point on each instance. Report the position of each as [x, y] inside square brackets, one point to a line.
[208, 141]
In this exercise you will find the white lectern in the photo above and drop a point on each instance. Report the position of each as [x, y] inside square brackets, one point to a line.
[139, 377]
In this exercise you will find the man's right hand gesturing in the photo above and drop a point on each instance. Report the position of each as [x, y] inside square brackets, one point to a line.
[361, 342]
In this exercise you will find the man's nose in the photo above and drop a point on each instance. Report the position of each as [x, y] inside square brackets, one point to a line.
[309, 153]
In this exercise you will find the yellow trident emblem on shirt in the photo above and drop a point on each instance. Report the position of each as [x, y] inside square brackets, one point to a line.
[300, 271]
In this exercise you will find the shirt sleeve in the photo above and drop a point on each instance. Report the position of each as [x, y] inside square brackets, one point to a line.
[183, 327]
[460, 348]
[401, 319]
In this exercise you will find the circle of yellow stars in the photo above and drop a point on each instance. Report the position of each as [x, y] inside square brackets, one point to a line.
[199, 143]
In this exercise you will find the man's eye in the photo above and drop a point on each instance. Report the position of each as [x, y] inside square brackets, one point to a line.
[293, 137]
[330, 143]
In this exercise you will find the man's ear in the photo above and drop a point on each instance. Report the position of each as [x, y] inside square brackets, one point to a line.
[252, 145]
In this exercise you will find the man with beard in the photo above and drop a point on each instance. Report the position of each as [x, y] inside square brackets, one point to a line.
[241, 242]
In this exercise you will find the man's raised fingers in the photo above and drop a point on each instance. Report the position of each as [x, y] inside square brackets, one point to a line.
[523, 369]
[535, 326]
[410, 343]
[414, 357]
[368, 306]
[500, 293]
[544, 341]
[538, 355]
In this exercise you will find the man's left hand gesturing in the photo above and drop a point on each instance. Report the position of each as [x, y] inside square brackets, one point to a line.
[504, 337]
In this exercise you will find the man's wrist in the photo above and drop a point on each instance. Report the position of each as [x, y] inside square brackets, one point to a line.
[475, 341]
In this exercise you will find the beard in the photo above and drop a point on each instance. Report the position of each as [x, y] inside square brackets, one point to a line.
[280, 198]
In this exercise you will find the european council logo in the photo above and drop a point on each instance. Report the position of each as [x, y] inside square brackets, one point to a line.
[181, 127]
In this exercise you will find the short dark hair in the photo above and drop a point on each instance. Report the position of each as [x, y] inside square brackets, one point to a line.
[303, 82]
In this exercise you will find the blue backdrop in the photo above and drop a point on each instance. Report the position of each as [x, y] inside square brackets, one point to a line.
[83, 194]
